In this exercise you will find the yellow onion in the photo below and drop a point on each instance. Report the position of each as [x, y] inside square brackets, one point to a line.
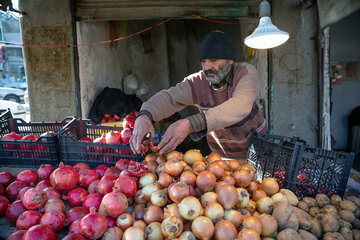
[214, 211]
[159, 198]
[124, 221]
[172, 227]
[153, 214]
[147, 179]
[187, 235]
[243, 197]
[228, 196]
[248, 234]
[192, 156]
[235, 217]
[133, 233]
[225, 230]
[268, 223]
[153, 231]
[203, 228]
[190, 208]
[207, 198]
[265, 205]
[149, 189]
[252, 222]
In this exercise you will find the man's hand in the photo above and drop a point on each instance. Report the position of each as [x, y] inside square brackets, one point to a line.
[142, 126]
[174, 135]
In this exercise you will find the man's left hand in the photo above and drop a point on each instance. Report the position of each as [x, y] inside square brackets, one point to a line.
[174, 135]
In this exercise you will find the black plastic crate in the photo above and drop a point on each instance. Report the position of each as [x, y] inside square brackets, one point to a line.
[73, 151]
[31, 153]
[303, 169]
[5, 114]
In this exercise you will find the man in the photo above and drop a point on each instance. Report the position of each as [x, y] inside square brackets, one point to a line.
[225, 93]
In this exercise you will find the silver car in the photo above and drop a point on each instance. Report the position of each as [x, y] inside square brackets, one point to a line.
[17, 110]
[11, 94]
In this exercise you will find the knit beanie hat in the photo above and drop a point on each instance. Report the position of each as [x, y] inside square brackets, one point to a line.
[217, 45]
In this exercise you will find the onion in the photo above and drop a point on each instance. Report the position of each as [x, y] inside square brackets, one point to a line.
[242, 178]
[172, 227]
[174, 155]
[222, 164]
[219, 185]
[229, 179]
[152, 166]
[191, 156]
[212, 157]
[279, 197]
[257, 194]
[172, 210]
[233, 165]
[199, 166]
[112, 234]
[149, 189]
[252, 222]
[178, 191]
[133, 233]
[251, 207]
[160, 168]
[139, 211]
[147, 179]
[217, 170]
[190, 208]
[214, 211]
[153, 231]
[243, 198]
[203, 228]
[140, 224]
[187, 235]
[165, 180]
[228, 196]
[251, 170]
[265, 205]
[124, 221]
[234, 217]
[268, 223]
[153, 214]
[205, 181]
[270, 186]
[161, 159]
[188, 177]
[252, 187]
[225, 230]
[248, 234]
[208, 198]
[150, 157]
[139, 197]
[159, 198]
[173, 167]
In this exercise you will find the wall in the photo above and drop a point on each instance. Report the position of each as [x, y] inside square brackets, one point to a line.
[294, 73]
[344, 47]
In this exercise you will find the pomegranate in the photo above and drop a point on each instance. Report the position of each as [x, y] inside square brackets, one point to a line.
[80, 167]
[113, 204]
[76, 196]
[113, 137]
[106, 184]
[126, 134]
[64, 178]
[111, 222]
[125, 185]
[53, 219]
[92, 200]
[75, 214]
[51, 192]
[54, 204]
[1, 190]
[13, 189]
[73, 236]
[93, 225]
[14, 210]
[101, 170]
[75, 227]
[6, 178]
[21, 193]
[34, 198]
[87, 177]
[44, 171]
[12, 136]
[4, 202]
[28, 219]
[122, 164]
[129, 123]
[43, 184]
[40, 232]
[28, 176]
[112, 171]
[85, 139]
[18, 235]
[30, 137]
[94, 187]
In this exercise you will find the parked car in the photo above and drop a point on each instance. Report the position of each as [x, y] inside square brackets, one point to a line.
[17, 84]
[11, 94]
[17, 110]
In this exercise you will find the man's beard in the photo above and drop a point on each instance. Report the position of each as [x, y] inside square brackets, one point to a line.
[219, 75]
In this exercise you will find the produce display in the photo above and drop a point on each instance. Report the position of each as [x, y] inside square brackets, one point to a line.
[174, 196]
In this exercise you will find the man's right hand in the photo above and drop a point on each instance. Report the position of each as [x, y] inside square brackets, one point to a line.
[142, 126]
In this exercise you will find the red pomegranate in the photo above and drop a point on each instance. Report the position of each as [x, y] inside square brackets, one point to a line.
[113, 137]
[1, 190]
[54, 204]
[18, 235]
[22, 192]
[28, 219]
[4, 203]
[74, 214]
[101, 170]
[92, 200]
[6, 178]
[112, 171]
[28, 176]
[111, 222]
[126, 134]
[14, 210]
[73, 236]
[125, 185]
[30, 137]
[75, 227]
[87, 177]
[93, 225]
[34, 198]
[13, 189]
[64, 178]
[129, 122]
[53, 219]
[43, 184]
[12, 136]
[76, 196]
[122, 164]
[106, 184]
[79, 167]
[40, 232]
[113, 204]
[94, 187]
[51, 192]
[44, 171]
[85, 139]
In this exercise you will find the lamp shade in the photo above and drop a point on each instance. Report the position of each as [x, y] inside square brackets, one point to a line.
[266, 35]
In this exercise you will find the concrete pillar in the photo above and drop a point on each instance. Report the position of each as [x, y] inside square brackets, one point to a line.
[49, 70]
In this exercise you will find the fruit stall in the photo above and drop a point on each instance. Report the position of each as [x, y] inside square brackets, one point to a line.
[78, 180]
